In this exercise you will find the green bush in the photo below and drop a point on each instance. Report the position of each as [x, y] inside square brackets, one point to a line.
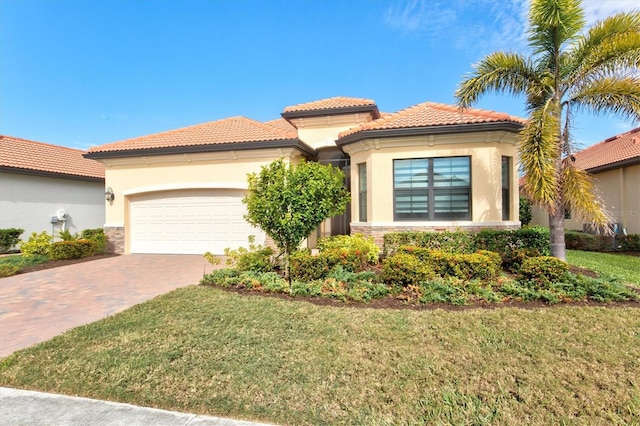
[533, 237]
[463, 266]
[492, 255]
[525, 211]
[454, 242]
[66, 235]
[358, 244]
[73, 249]
[543, 270]
[6, 270]
[98, 236]
[305, 267]
[350, 260]
[256, 258]
[38, 244]
[403, 269]
[630, 242]
[343, 285]
[578, 240]
[9, 237]
[512, 260]
[220, 277]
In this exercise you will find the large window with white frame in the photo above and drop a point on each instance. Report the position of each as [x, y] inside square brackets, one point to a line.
[432, 188]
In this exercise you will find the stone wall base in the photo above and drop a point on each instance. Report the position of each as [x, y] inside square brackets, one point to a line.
[115, 239]
[378, 232]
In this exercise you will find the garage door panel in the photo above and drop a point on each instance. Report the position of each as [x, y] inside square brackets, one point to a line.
[191, 221]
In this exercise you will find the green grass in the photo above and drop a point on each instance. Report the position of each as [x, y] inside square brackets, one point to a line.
[620, 266]
[204, 350]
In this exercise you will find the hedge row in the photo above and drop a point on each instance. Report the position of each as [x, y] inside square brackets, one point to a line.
[578, 240]
[466, 242]
[9, 237]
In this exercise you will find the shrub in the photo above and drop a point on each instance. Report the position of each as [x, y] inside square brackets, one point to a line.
[454, 242]
[98, 236]
[404, 269]
[513, 259]
[220, 277]
[543, 270]
[525, 211]
[357, 244]
[492, 255]
[66, 235]
[38, 244]
[305, 267]
[463, 266]
[350, 260]
[6, 270]
[533, 237]
[630, 242]
[74, 249]
[578, 240]
[256, 258]
[9, 237]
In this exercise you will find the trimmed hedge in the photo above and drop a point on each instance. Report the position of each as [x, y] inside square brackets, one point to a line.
[630, 242]
[483, 265]
[74, 249]
[543, 270]
[9, 237]
[98, 236]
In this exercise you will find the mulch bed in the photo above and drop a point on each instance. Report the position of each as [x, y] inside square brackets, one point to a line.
[57, 263]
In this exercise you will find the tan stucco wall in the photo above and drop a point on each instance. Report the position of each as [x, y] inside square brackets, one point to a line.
[620, 190]
[321, 132]
[485, 149]
[129, 177]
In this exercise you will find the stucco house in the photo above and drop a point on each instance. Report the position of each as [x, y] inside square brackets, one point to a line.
[615, 164]
[427, 167]
[49, 188]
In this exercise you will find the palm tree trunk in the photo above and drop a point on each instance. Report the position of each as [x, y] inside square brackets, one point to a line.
[556, 234]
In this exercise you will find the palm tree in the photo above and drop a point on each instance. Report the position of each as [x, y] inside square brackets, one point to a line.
[570, 70]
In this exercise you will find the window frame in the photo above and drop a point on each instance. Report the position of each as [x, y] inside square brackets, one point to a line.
[363, 214]
[431, 190]
[506, 204]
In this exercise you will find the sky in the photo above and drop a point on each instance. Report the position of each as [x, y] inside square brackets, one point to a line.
[81, 73]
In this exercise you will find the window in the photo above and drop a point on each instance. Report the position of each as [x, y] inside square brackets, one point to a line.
[506, 191]
[432, 189]
[362, 192]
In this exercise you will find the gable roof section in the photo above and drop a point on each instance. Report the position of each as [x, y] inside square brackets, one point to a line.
[332, 106]
[432, 118]
[614, 152]
[229, 133]
[25, 156]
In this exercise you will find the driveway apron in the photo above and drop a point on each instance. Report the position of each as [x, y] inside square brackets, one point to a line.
[37, 306]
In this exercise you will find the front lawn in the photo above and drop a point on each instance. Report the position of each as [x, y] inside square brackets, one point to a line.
[15, 263]
[208, 351]
[624, 267]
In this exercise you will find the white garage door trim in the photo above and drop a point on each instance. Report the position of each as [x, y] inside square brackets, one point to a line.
[190, 222]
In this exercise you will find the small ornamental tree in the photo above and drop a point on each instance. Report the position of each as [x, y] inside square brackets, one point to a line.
[289, 202]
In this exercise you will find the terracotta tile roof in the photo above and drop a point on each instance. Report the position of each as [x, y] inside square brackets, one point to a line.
[429, 114]
[625, 146]
[23, 154]
[284, 125]
[330, 103]
[233, 130]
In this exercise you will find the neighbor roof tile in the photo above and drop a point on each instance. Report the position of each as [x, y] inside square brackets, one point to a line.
[233, 130]
[618, 148]
[24, 154]
[432, 114]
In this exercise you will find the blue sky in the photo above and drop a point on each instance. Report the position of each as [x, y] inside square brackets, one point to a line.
[81, 73]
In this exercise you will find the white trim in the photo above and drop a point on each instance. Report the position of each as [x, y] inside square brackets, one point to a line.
[434, 224]
[195, 185]
[113, 225]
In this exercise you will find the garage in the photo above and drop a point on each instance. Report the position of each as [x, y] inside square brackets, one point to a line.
[189, 222]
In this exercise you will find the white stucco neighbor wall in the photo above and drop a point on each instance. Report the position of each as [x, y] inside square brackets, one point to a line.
[28, 202]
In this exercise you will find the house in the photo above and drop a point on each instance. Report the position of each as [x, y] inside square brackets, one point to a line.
[615, 164]
[49, 188]
[427, 167]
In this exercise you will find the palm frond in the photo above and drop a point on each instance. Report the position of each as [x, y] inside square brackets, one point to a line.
[582, 197]
[615, 95]
[499, 72]
[554, 23]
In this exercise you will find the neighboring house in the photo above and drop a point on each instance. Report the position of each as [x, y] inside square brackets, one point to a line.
[615, 164]
[49, 188]
[428, 167]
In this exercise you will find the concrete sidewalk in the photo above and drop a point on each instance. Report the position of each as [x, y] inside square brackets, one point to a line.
[20, 407]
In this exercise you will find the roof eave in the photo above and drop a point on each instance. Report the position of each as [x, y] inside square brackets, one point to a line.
[612, 166]
[371, 109]
[509, 126]
[193, 149]
[43, 173]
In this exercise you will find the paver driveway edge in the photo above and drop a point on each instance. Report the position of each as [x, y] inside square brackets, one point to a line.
[37, 306]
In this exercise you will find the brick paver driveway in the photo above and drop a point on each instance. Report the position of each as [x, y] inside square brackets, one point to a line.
[36, 306]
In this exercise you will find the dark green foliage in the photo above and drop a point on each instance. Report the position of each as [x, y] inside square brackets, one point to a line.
[343, 285]
[513, 259]
[525, 211]
[98, 236]
[350, 260]
[630, 242]
[8, 238]
[543, 269]
[66, 235]
[454, 242]
[74, 249]
[578, 240]
[404, 269]
[305, 267]
[220, 277]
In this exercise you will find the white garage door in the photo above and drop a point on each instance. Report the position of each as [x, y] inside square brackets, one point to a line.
[190, 222]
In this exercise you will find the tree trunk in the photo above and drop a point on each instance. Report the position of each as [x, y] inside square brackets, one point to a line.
[556, 234]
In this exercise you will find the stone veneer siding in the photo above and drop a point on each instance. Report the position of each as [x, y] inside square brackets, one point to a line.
[115, 239]
[378, 232]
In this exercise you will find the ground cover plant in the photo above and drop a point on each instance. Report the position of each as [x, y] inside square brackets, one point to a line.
[447, 268]
[209, 351]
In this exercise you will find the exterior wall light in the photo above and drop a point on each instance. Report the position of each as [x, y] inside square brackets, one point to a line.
[108, 194]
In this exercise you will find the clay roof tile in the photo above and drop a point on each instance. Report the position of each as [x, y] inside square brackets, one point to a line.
[624, 146]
